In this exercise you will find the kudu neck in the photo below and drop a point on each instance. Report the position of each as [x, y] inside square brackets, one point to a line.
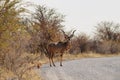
[66, 42]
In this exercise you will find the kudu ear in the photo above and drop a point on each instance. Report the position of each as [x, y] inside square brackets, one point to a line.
[72, 34]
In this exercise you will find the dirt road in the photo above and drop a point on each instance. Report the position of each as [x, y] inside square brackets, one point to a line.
[83, 69]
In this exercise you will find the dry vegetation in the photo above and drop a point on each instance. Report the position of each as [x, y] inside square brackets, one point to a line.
[23, 40]
[29, 75]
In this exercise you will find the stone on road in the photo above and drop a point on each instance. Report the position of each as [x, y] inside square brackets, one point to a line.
[83, 69]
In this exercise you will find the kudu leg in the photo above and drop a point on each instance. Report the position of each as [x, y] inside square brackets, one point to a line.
[61, 60]
[52, 60]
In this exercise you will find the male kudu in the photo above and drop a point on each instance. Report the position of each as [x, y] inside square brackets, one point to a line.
[59, 48]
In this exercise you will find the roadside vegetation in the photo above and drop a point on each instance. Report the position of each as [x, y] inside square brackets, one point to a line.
[24, 34]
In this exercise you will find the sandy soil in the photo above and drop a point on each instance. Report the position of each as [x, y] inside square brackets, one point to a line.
[83, 69]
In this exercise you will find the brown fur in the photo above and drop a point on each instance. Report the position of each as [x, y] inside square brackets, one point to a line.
[59, 48]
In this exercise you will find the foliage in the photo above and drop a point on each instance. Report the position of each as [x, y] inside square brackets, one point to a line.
[13, 38]
[108, 31]
[108, 36]
[45, 25]
[105, 41]
[81, 42]
[9, 22]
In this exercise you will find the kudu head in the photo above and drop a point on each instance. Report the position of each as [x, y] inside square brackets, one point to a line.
[68, 37]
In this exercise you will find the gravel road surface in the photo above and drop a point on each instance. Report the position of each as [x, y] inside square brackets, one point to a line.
[83, 69]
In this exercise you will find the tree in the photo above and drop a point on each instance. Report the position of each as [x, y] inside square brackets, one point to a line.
[12, 38]
[81, 42]
[108, 31]
[46, 25]
[9, 22]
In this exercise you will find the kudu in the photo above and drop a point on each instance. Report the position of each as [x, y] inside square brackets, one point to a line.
[59, 48]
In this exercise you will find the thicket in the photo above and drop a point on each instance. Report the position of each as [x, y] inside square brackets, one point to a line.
[13, 39]
[105, 41]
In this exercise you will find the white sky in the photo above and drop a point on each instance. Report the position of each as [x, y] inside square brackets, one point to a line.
[83, 15]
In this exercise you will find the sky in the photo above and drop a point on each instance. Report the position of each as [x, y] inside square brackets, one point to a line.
[84, 15]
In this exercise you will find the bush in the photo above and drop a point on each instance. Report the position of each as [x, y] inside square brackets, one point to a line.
[108, 47]
[80, 44]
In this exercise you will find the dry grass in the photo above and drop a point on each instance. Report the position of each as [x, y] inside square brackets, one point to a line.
[32, 75]
[87, 55]
[29, 75]
[4, 74]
